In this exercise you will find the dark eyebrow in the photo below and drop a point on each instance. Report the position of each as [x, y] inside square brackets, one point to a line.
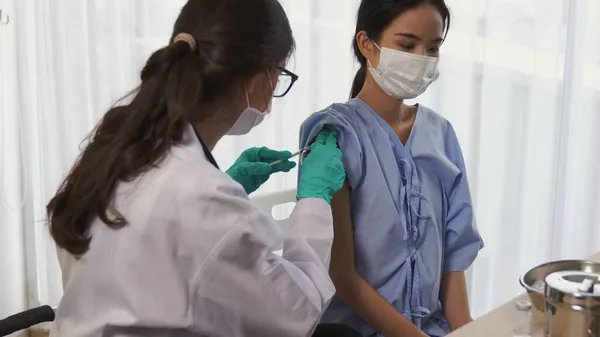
[414, 37]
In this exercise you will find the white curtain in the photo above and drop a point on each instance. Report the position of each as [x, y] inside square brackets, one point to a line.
[520, 83]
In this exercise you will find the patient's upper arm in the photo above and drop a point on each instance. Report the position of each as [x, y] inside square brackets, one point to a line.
[349, 141]
[342, 254]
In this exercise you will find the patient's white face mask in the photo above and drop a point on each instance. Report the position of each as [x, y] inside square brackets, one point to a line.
[404, 75]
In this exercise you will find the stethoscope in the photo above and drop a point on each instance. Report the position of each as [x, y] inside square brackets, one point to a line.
[207, 153]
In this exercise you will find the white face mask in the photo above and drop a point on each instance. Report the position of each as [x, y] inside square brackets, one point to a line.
[403, 75]
[250, 117]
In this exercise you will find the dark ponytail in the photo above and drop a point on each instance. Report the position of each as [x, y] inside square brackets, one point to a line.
[361, 74]
[127, 142]
[375, 16]
[179, 84]
[359, 81]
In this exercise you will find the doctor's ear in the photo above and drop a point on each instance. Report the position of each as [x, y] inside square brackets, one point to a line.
[365, 45]
[253, 82]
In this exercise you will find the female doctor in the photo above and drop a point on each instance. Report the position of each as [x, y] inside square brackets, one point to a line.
[155, 240]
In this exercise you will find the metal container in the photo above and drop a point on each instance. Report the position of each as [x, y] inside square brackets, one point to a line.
[569, 311]
[540, 273]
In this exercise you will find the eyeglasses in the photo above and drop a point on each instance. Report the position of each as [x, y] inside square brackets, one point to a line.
[285, 81]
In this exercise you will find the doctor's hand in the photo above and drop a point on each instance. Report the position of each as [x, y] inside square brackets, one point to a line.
[252, 168]
[322, 174]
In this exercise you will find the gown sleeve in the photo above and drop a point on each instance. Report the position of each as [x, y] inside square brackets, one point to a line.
[462, 239]
[349, 142]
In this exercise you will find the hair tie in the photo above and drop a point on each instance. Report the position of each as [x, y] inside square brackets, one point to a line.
[187, 38]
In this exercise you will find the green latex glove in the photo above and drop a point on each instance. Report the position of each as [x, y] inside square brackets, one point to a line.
[322, 173]
[252, 168]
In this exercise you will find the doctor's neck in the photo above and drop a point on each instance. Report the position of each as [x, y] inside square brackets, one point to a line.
[390, 109]
[211, 132]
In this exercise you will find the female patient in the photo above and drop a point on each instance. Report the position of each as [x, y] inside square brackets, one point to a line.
[404, 226]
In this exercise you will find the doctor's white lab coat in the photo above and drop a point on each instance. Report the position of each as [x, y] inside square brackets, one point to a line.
[196, 259]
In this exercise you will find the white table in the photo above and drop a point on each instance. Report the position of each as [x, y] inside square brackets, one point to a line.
[500, 321]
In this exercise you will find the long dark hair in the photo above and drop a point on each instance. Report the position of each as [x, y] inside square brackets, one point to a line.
[235, 40]
[375, 16]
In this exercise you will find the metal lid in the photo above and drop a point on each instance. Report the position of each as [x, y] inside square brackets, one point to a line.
[564, 289]
[523, 305]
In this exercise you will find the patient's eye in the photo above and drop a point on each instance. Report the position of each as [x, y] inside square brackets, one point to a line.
[407, 46]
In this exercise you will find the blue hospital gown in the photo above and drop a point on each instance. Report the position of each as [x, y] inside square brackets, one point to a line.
[411, 210]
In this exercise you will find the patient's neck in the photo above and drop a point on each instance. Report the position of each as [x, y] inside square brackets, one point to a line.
[390, 109]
